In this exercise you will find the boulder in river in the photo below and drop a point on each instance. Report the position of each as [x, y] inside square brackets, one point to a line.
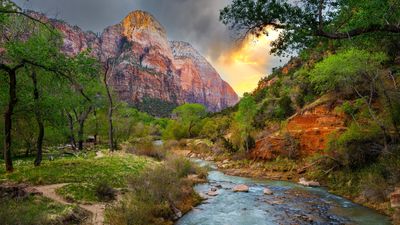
[268, 191]
[241, 188]
[212, 193]
[309, 183]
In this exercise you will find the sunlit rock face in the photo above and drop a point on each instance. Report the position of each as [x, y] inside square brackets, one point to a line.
[147, 65]
[199, 80]
[144, 62]
[311, 128]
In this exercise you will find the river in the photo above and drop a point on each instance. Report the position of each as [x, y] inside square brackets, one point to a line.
[290, 204]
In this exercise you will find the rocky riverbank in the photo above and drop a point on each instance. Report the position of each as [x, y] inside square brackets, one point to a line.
[239, 200]
[294, 172]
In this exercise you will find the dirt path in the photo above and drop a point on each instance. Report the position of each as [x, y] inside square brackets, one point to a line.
[97, 210]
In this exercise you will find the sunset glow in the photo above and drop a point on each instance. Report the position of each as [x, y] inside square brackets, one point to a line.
[247, 63]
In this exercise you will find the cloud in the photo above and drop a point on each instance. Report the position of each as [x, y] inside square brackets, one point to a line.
[194, 21]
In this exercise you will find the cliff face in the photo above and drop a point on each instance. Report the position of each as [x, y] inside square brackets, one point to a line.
[144, 64]
[200, 82]
[309, 130]
[147, 65]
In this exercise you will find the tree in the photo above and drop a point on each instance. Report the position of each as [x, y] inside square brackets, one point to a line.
[359, 72]
[109, 67]
[25, 44]
[244, 120]
[307, 22]
[189, 115]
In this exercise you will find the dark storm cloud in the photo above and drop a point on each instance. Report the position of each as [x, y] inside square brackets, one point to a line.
[194, 21]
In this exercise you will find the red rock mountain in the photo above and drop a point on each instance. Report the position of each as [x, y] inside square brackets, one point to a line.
[147, 65]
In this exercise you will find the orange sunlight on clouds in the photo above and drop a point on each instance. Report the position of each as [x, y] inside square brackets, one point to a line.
[245, 65]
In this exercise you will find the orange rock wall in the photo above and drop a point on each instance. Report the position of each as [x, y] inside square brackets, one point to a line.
[311, 128]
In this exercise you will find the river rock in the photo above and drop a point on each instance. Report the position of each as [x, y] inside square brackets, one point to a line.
[395, 198]
[212, 193]
[307, 183]
[241, 188]
[209, 158]
[268, 191]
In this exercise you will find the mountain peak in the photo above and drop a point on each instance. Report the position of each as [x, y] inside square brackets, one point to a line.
[141, 20]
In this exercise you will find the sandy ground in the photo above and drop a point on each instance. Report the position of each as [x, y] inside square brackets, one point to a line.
[97, 210]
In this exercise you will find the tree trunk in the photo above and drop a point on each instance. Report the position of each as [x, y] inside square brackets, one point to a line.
[12, 101]
[80, 135]
[39, 120]
[111, 143]
[110, 128]
[96, 126]
[39, 143]
[82, 120]
[375, 118]
[71, 130]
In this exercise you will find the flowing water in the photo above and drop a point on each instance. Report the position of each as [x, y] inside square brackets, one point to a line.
[290, 204]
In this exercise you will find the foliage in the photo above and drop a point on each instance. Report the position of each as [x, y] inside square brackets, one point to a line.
[346, 69]
[188, 122]
[215, 128]
[244, 123]
[105, 192]
[146, 147]
[35, 210]
[78, 192]
[156, 107]
[113, 169]
[308, 23]
[156, 194]
[358, 146]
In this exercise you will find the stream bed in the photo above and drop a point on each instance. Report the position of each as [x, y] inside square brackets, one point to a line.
[290, 204]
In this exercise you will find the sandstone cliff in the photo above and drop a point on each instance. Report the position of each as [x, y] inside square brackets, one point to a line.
[200, 82]
[307, 132]
[147, 65]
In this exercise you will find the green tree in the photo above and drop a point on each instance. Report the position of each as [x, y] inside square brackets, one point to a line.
[244, 118]
[307, 22]
[189, 115]
[361, 73]
[27, 46]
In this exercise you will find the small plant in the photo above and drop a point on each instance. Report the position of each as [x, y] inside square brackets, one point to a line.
[105, 192]
[145, 147]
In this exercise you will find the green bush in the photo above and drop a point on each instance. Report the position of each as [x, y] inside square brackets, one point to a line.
[37, 210]
[358, 146]
[146, 147]
[156, 195]
[105, 192]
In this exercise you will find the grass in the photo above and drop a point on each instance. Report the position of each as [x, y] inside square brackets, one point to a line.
[79, 192]
[38, 210]
[155, 195]
[113, 169]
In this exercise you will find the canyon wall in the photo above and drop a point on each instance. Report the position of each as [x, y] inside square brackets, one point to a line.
[147, 65]
[306, 133]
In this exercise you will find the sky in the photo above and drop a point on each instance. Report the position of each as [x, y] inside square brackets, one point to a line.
[242, 65]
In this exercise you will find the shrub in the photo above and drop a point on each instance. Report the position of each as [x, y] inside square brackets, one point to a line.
[182, 166]
[155, 197]
[359, 146]
[292, 146]
[105, 192]
[146, 147]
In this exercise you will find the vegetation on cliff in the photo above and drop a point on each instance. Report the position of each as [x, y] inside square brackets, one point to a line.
[347, 68]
